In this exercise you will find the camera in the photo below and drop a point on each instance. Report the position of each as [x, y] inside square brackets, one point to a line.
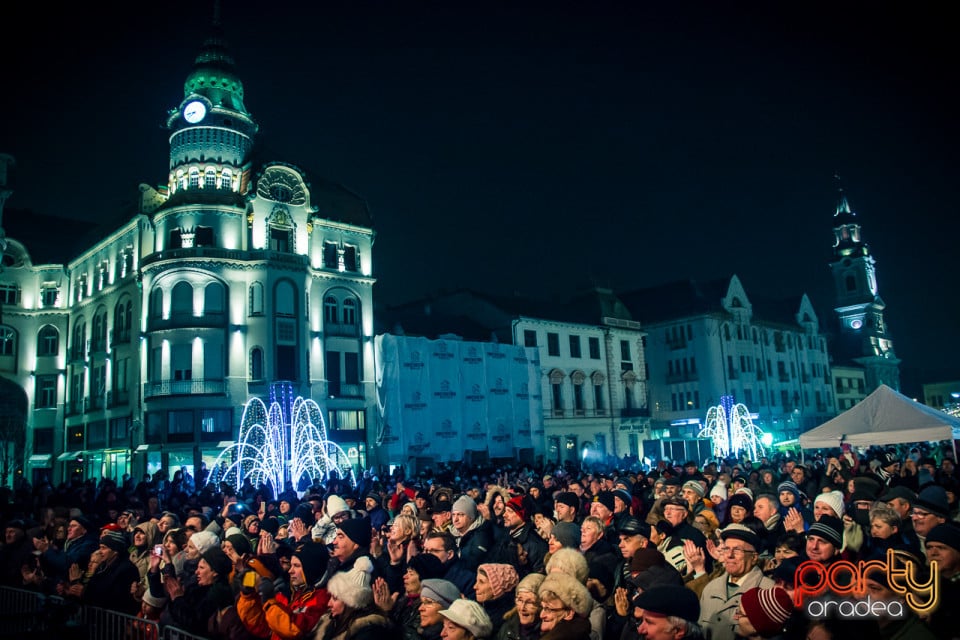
[158, 550]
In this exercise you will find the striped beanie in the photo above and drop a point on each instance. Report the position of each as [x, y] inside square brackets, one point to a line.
[767, 609]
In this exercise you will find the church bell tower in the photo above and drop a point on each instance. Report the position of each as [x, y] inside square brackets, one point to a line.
[864, 338]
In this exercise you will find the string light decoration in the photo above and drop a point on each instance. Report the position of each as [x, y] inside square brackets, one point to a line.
[732, 431]
[287, 441]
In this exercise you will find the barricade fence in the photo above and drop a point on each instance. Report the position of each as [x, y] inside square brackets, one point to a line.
[31, 614]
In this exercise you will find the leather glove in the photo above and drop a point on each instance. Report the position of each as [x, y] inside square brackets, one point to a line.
[266, 589]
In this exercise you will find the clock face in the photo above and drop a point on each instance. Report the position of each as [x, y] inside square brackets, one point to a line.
[194, 111]
[856, 324]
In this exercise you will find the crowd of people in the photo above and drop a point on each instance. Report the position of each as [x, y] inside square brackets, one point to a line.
[724, 549]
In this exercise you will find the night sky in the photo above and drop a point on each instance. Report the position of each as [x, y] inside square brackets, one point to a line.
[544, 147]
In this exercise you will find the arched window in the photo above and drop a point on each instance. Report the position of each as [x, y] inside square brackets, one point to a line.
[156, 303]
[48, 341]
[286, 297]
[556, 389]
[8, 341]
[726, 332]
[210, 178]
[79, 338]
[181, 299]
[349, 312]
[256, 363]
[226, 177]
[330, 315]
[213, 298]
[256, 299]
[194, 178]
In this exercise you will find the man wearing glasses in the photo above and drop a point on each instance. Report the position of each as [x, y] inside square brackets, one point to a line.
[929, 510]
[721, 597]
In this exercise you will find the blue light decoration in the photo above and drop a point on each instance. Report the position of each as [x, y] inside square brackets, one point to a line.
[287, 441]
[731, 429]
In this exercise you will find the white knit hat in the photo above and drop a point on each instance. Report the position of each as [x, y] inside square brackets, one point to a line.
[335, 505]
[746, 490]
[834, 500]
[719, 489]
[203, 540]
[353, 587]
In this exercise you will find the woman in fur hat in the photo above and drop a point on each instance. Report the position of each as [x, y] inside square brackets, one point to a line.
[494, 504]
[565, 605]
[523, 621]
[352, 614]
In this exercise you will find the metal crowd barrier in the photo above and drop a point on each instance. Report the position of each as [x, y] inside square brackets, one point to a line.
[29, 614]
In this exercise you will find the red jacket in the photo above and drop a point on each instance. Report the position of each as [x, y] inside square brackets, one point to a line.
[281, 618]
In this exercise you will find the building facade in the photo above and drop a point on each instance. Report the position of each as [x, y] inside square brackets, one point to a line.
[140, 353]
[709, 340]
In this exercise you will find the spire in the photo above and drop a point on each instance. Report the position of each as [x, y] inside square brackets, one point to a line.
[843, 207]
[214, 71]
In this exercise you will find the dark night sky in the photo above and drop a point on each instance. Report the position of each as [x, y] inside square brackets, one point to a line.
[544, 146]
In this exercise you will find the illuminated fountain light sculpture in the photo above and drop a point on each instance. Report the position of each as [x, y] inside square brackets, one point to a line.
[731, 429]
[275, 445]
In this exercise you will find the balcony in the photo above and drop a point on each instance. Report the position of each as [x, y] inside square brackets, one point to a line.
[77, 353]
[188, 320]
[118, 338]
[675, 345]
[273, 258]
[346, 391]
[116, 398]
[344, 330]
[93, 403]
[674, 378]
[98, 345]
[196, 387]
[73, 407]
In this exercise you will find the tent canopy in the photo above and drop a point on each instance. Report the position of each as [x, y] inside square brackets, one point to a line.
[883, 417]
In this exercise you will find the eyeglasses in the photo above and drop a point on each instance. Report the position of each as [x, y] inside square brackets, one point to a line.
[526, 603]
[435, 552]
[427, 602]
[920, 514]
[553, 609]
[736, 552]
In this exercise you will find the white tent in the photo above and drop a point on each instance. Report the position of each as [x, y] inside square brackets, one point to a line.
[883, 417]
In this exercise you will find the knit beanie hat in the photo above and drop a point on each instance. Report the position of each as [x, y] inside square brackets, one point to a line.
[115, 540]
[747, 491]
[945, 533]
[568, 498]
[828, 528]
[154, 601]
[567, 534]
[767, 609]
[503, 577]
[695, 486]
[358, 530]
[335, 505]
[442, 591]
[466, 506]
[570, 592]
[240, 542]
[427, 566]
[516, 505]
[204, 540]
[834, 500]
[313, 558]
[353, 587]
[569, 561]
[789, 485]
[606, 499]
[719, 491]
[218, 561]
[471, 616]
[934, 500]
[740, 499]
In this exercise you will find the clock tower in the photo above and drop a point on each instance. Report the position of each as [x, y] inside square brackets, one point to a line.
[863, 336]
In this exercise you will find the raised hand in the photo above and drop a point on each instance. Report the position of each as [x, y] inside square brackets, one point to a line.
[695, 557]
[713, 550]
[382, 597]
[621, 601]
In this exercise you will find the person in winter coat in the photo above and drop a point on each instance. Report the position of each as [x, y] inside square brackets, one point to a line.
[466, 620]
[523, 621]
[435, 596]
[565, 605]
[352, 614]
[474, 534]
[109, 586]
[404, 610]
[495, 588]
[145, 536]
[192, 607]
[264, 610]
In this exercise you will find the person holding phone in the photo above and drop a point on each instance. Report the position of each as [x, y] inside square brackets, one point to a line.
[146, 536]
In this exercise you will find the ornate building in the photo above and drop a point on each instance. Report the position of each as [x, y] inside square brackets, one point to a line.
[862, 338]
[140, 352]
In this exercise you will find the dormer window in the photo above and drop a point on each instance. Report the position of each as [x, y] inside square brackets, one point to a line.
[194, 178]
[226, 177]
[280, 193]
[49, 294]
[210, 179]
